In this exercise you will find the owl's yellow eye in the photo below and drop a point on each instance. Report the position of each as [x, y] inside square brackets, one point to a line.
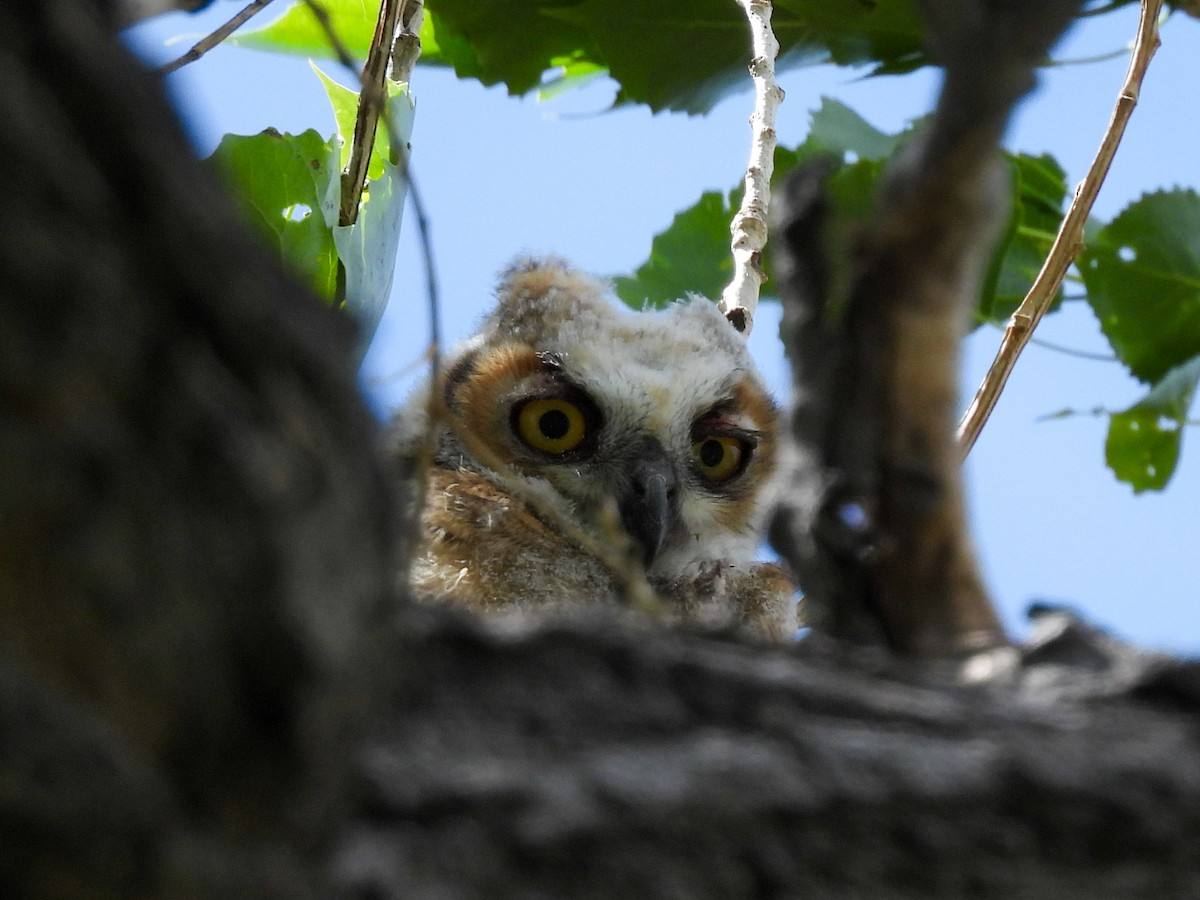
[552, 425]
[718, 457]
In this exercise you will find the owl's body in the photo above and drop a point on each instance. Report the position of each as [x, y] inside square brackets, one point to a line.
[575, 441]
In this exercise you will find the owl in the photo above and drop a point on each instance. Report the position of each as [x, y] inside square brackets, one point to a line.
[582, 452]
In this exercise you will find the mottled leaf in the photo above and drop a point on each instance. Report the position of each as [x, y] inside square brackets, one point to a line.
[281, 182]
[1142, 273]
[1144, 441]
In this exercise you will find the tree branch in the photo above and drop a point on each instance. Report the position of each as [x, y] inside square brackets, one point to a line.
[208, 42]
[749, 226]
[873, 519]
[1068, 243]
[209, 689]
[371, 99]
[586, 761]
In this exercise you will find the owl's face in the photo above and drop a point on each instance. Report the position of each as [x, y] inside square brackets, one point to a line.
[659, 412]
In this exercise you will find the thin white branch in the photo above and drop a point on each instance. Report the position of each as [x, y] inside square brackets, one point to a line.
[749, 226]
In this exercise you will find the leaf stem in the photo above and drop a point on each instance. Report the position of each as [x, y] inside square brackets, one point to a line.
[1069, 242]
[370, 105]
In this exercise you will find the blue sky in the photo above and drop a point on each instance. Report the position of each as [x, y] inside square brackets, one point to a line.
[502, 176]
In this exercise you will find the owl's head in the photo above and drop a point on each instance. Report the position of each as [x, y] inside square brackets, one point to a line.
[659, 411]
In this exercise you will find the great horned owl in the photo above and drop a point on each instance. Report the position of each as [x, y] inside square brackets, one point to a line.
[577, 445]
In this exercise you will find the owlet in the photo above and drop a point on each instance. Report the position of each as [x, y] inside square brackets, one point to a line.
[577, 444]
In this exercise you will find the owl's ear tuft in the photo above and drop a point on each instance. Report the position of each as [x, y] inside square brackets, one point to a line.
[536, 294]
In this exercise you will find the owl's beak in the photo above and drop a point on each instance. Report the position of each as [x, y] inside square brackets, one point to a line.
[648, 507]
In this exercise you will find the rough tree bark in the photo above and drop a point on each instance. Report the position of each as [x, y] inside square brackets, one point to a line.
[208, 688]
[873, 519]
[195, 541]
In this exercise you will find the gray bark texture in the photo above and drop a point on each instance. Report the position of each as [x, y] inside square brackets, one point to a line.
[873, 519]
[209, 689]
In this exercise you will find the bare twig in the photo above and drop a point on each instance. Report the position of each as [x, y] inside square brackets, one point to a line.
[402, 50]
[1071, 351]
[749, 226]
[1068, 244]
[248, 12]
[370, 106]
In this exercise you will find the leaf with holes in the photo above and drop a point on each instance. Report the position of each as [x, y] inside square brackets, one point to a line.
[281, 182]
[1144, 441]
[1142, 273]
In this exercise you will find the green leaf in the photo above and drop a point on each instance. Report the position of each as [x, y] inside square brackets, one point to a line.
[297, 31]
[1039, 187]
[572, 73]
[1143, 442]
[367, 248]
[1142, 273]
[670, 54]
[345, 113]
[690, 257]
[836, 128]
[693, 256]
[281, 182]
[687, 54]
[443, 46]
[510, 41]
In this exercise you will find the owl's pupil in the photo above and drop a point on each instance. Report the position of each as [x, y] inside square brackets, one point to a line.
[554, 424]
[711, 453]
